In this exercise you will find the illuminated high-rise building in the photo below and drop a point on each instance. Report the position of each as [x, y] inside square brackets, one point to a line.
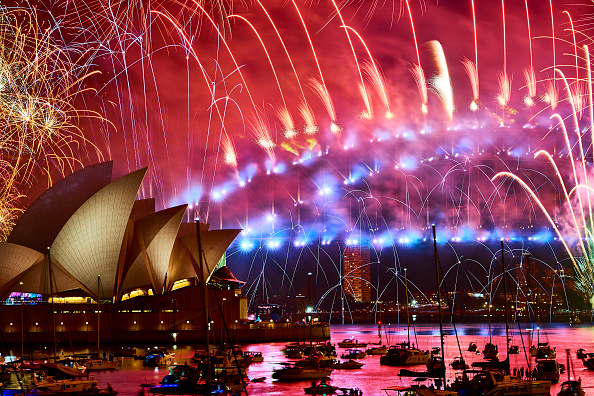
[356, 272]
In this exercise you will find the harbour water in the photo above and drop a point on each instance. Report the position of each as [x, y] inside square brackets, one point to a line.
[373, 377]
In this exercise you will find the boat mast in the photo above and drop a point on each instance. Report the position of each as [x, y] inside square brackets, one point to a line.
[568, 366]
[204, 303]
[49, 266]
[505, 292]
[407, 317]
[439, 302]
[98, 313]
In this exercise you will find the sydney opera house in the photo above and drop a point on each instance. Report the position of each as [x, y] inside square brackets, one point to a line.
[89, 252]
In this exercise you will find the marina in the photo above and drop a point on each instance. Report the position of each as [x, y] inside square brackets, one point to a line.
[372, 377]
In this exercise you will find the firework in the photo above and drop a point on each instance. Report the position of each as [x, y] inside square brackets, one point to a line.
[190, 93]
[40, 81]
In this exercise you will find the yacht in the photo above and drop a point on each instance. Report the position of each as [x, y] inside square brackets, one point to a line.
[289, 373]
[348, 365]
[543, 351]
[253, 356]
[99, 364]
[321, 388]
[548, 369]
[459, 363]
[491, 351]
[352, 343]
[50, 379]
[572, 388]
[353, 354]
[377, 350]
[158, 357]
[495, 382]
[404, 355]
[187, 380]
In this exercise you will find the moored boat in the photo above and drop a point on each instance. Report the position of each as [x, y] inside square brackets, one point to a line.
[491, 351]
[291, 373]
[459, 363]
[353, 354]
[348, 365]
[548, 369]
[254, 356]
[513, 350]
[404, 355]
[495, 382]
[377, 350]
[543, 351]
[352, 343]
[320, 388]
[158, 357]
[99, 364]
[571, 388]
[581, 353]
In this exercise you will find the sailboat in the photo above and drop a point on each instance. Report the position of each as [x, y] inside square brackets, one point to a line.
[571, 387]
[436, 365]
[490, 348]
[404, 354]
[380, 349]
[207, 379]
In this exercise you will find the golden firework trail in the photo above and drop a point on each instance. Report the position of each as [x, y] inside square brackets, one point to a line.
[40, 81]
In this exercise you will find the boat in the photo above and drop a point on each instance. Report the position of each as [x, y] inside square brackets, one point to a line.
[181, 378]
[321, 388]
[352, 343]
[513, 350]
[491, 351]
[35, 354]
[581, 353]
[543, 351]
[378, 350]
[51, 379]
[436, 365]
[348, 365]
[495, 382]
[435, 369]
[459, 363]
[254, 356]
[435, 351]
[16, 381]
[416, 390]
[294, 352]
[548, 369]
[258, 379]
[74, 387]
[316, 361]
[493, 364]
[158, 357]
[291, 373]
[472, 347]
[73, 363]
[404, 355]
[99, 364]
[353, 354]
[589, 362]
[571, 387]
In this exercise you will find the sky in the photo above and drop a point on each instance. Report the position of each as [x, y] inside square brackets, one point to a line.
[311, 129]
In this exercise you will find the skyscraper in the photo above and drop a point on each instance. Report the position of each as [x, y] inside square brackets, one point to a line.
[356, 272]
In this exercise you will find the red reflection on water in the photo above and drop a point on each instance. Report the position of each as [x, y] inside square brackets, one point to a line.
[373, 377]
